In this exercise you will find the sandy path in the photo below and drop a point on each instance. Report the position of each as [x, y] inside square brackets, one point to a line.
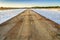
[45, 30]
[31, 26]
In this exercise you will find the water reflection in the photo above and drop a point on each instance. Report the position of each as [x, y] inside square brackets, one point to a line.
[51, 14]
[8, 14]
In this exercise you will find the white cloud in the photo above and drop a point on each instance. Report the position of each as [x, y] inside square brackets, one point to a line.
[15, 4]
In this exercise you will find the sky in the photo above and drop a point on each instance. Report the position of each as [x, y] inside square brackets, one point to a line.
[28, 3]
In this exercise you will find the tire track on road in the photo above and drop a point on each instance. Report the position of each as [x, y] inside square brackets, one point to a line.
[26, 30]
[42, 29]
[32, 26]
[12, 34]
[34, 32]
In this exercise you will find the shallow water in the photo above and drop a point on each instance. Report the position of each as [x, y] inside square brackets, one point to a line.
[8, 14]
[50, 14]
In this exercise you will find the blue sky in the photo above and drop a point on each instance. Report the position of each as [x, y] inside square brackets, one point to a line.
[23, 3]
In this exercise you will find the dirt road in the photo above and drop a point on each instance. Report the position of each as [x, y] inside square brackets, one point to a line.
[29, 25]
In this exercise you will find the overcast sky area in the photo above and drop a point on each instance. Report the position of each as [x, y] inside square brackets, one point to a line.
[28, 3]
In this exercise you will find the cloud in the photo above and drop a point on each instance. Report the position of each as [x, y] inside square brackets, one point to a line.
[19, 3]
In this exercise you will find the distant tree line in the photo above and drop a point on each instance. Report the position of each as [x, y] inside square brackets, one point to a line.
[47, 7]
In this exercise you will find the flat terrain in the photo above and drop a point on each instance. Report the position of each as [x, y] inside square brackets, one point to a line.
[29, 25]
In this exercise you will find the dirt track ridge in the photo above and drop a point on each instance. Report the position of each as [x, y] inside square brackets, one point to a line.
[29, 25]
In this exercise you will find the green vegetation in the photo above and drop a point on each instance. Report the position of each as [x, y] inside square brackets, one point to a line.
[3, 8]
[9, 7]
[47, 7]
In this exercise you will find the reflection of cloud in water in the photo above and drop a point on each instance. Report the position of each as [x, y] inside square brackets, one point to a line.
[53, 15]
[8, 14]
